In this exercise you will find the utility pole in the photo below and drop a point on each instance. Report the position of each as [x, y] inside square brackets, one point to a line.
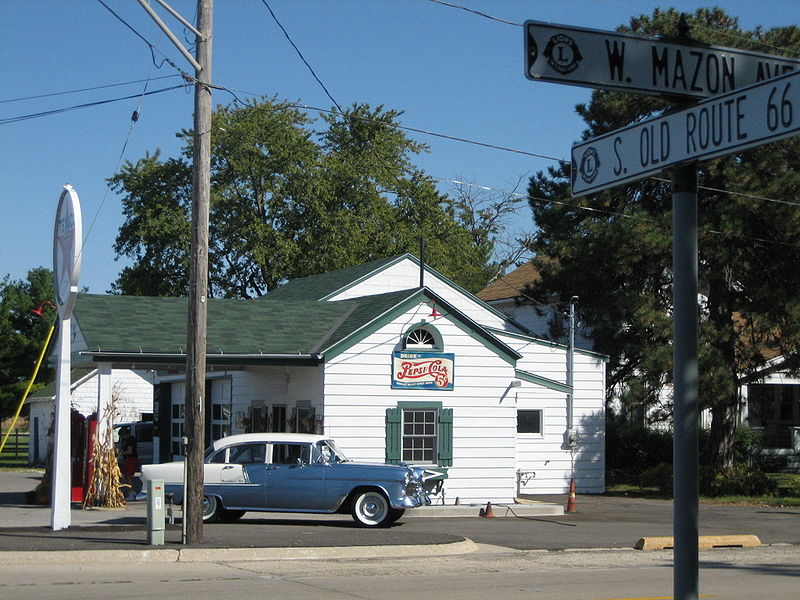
[198, 286]
[198, 269]
[570, 372]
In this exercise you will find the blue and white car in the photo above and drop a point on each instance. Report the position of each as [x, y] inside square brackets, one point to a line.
[292, 472]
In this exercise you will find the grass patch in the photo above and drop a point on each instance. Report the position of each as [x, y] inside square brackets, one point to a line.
[15, 451]
[619, 483]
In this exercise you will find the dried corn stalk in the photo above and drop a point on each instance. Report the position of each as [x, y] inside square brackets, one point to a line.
[105, 487]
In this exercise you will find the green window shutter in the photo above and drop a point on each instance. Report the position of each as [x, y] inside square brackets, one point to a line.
[445, 450]
[394, 417]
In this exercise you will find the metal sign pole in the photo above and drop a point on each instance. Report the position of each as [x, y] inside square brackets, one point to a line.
[685, 375]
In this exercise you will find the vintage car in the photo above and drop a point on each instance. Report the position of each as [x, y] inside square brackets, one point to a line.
[288, 472]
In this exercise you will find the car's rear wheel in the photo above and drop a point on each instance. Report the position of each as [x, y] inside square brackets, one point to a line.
[371, 509]
[212, 509]
[229, 516]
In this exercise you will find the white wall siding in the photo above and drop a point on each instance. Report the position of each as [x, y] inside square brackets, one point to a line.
[547, 455]
[134, 391]
[404, 275]
[358, 392]
[270, 386]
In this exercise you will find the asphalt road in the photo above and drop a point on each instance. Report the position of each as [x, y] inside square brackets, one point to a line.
[600, 522]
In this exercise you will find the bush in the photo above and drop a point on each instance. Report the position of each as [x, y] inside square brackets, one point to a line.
[740, 481]
[659, 477]
[634, 449]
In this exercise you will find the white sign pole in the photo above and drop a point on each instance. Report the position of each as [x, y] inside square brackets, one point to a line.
[60, 516]
[67, 240]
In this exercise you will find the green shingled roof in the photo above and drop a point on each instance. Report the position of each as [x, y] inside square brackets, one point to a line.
[137, 329]
[318, 287]
[127, 324]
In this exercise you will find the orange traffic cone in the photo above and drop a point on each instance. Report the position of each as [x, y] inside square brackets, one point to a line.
[571, 500]
[487, 512]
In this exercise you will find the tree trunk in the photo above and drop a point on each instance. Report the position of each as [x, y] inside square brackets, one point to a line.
[723, 430]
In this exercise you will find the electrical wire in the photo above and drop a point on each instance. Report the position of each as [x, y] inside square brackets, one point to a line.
[151, 46]
[303, 58]
[57, 111]
[89, 89]
[624, 215]
[476, 12]
[133, 120]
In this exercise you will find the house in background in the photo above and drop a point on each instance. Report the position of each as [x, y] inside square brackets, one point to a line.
[771, 404]
[390, 358]
[132, 389]
[770, 398]
[507, 294]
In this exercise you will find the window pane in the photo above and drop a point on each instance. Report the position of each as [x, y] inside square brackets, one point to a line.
[419, 436]
[529, 421]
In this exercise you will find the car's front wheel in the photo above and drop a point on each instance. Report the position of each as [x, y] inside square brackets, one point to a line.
[212, 509]
[371, 509]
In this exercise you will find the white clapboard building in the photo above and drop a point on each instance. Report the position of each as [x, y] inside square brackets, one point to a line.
[391, 359]
[131, 390]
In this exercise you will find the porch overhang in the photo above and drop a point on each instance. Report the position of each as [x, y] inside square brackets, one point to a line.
[160, 359]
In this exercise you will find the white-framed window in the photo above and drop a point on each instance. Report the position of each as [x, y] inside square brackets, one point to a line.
[419, 435]
[423, 336]
[530, 421]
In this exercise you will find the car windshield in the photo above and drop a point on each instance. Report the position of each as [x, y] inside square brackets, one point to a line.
[328, 451]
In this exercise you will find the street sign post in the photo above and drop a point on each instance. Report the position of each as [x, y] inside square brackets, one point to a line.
[750, 100]
[643, 64]
[755, 115]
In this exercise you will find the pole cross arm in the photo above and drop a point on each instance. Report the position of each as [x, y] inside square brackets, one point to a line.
[172, 38]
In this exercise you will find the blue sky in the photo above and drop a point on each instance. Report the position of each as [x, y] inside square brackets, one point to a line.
[453, 72]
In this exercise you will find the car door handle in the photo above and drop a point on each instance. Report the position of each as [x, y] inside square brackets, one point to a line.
[227, 468]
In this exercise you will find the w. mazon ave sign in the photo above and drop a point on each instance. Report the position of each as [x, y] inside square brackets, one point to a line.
[642, 64]
[733, 122]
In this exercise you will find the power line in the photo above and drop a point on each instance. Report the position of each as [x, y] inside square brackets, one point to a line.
[57, 111]
[476, 12]
[89, 89]
[303, 58]
[616, 213]
[151, 46]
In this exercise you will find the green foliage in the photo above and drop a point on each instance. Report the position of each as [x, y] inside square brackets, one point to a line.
[614, 249]
[659, 477]
[634, 449]
[740, 480]
[289, 201]
[22, 334]
[788, 485]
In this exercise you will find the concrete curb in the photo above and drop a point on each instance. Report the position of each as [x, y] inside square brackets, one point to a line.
[704, 542]
[330, 553]
[43, 557]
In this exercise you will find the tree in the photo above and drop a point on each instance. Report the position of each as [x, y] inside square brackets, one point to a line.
[22, 334]
[614, 251]
[289, 201]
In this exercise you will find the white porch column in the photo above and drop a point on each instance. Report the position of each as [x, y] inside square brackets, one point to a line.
[103, 398]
